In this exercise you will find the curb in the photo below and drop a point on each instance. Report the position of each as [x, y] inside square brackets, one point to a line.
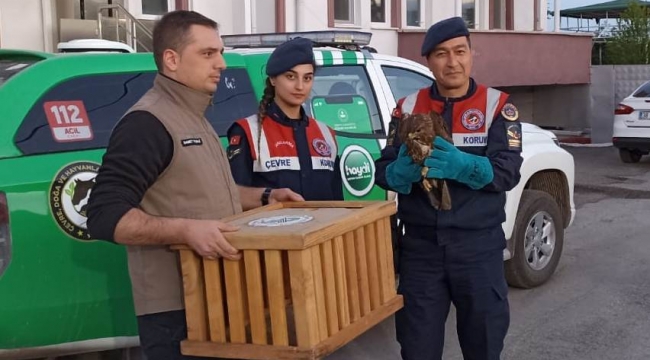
[580, 141]
[601, 145]
[618, 192]
[574, 139]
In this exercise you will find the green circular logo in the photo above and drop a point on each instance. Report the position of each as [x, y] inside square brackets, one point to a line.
[69, 194]
[357, 170]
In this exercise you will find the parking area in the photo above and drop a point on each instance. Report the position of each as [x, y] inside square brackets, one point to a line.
[596, 305]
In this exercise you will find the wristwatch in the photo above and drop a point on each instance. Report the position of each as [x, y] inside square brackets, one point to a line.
[265, 196]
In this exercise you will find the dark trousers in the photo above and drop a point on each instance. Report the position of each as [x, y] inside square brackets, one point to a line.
[468, 272]
[161, 334]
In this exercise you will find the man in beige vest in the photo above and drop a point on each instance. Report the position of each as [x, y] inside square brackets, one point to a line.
[165, 179]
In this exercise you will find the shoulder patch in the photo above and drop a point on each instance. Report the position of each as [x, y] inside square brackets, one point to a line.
[514, 136]
[235, 140]
[397, 113]
[233, 152]
[510, 112]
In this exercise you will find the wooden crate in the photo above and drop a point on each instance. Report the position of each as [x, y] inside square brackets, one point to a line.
[301, 290]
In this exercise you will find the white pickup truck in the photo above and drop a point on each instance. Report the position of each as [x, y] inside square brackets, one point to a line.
[538, 209]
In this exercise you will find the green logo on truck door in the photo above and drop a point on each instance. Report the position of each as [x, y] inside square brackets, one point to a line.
[69, 194]
[357, 170]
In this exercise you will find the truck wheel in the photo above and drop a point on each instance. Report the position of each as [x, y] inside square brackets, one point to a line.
[539, 239]
[629, 156]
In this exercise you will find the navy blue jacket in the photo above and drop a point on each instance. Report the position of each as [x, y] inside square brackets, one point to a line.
[312, 183]
[499, 139]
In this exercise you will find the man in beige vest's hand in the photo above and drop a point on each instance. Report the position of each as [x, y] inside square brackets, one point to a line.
[165, 180]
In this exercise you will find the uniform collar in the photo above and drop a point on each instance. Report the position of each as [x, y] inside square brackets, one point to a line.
[275, 113]
[435, 95]
[187, 98]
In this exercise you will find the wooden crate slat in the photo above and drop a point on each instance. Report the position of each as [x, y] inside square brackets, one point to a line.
[235, 297]
[215, 299]
[390, 262]
[276, 293]
[352, 279]
[373, 266]
[304, 297]
[327, 256]
[319, 287]
[382, 257]
[341, 282]
[255, 296]
[196, 312]
[362, 270]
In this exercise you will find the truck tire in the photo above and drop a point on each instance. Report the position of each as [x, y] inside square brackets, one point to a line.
[629, 156]
[539, 238]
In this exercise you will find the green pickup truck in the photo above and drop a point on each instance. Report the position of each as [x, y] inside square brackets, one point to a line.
[62, 292]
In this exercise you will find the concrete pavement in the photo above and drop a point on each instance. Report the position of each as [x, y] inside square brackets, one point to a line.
[597, 304]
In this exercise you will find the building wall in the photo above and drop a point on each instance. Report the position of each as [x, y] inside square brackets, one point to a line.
[239, 15]
[311, 14]
[566, 107]
[562, 106]
[223, 14]
[484, 15]
[505, 58]
[524, 15]
[265, 15]
[602, 101]
[22, 25]
[543, 10]
[385, 41]
[441, 9]
[510, 58]
[236, 16]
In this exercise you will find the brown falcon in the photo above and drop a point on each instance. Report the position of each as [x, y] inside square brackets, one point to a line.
[417, 132]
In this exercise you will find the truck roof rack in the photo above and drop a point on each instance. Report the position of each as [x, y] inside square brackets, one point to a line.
[348, 40]
[93, 45]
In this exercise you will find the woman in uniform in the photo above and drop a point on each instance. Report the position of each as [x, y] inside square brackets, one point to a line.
[280, 146]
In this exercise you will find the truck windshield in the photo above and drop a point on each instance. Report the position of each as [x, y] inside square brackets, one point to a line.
[11, 67]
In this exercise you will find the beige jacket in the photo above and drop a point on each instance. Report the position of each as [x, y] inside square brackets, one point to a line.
[197, 184]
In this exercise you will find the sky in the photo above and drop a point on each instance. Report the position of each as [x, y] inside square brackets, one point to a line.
[567, 4]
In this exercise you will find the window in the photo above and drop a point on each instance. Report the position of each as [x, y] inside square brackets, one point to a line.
[107, 97]
[344, 11]
[414, 12]
[498, 14]
[378, 11]
[234, 100]
[643, 91]
[469, 13]
[156, 7]
[11, 67]
[343, 98]
[404, 82]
